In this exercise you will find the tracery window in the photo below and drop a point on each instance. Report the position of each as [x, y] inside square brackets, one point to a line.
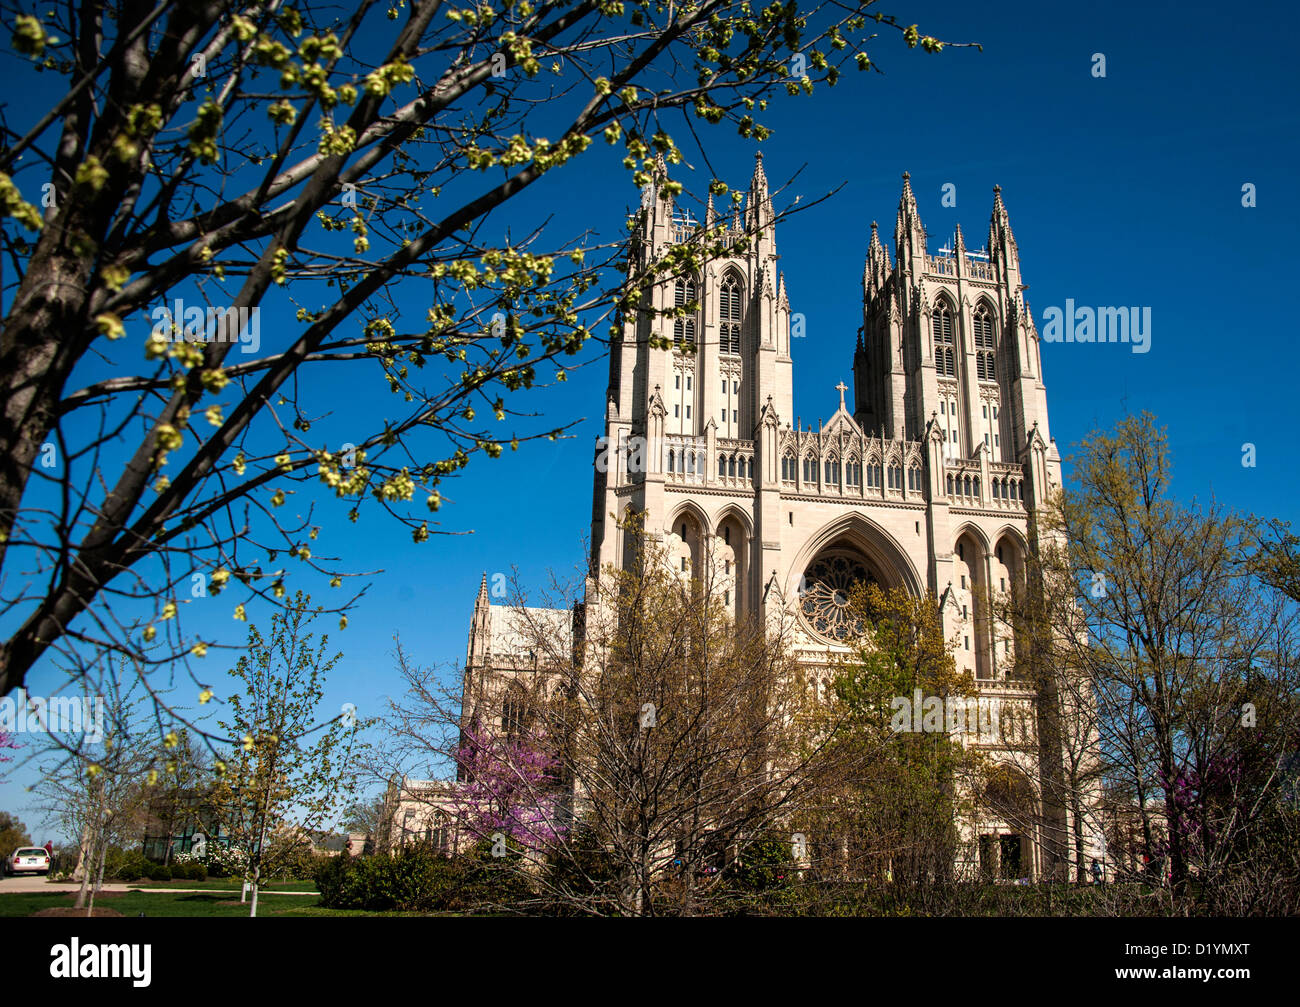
[824, 595]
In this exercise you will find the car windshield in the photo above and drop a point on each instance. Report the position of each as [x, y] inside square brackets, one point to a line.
[34, 851]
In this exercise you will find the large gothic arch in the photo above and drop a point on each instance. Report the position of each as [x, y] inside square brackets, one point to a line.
[857, 531]
[692, 508]
[739, 513]
[975, 532]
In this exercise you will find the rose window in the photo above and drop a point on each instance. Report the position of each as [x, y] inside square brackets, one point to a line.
[824, 595]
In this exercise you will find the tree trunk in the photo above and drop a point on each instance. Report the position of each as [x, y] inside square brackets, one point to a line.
[85, 858]
[103, 848]
[1076, 813]
[103, 858]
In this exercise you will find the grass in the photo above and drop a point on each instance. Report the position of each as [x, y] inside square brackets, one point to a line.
[224, 884]
[172, 904]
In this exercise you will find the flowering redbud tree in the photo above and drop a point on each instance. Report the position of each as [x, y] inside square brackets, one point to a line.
[509, 788]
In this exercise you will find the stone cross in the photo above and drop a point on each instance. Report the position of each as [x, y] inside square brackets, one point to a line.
[842, 389]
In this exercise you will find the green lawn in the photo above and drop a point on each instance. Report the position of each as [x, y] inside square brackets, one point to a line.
[224, 884]
[163, 903]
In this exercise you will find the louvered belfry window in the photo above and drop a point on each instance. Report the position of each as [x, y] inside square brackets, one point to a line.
[945, 346]
[985, 350]
[729, 316]
[684, 328]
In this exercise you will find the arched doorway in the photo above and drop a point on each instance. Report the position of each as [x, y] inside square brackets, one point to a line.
[1008, 847]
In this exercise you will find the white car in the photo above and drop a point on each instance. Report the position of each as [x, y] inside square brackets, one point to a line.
[28, 859]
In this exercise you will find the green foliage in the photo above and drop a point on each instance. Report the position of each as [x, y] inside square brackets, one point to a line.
[296, 861]
[411, 879]
[898, 805]
[763, 865]
[127, 865]
[189, 871]
[1180, 618]
[13, 834]
[587, 875]
[417, 879]
[159, 872]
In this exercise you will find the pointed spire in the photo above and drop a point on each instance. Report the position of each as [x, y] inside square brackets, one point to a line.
[908, 231]
[1001, 241]
[655, 227]
[958, 243]
[877, 267]
[758, 207]
[759, 181]
[710, 215]
[907, 201]
[482, 598]
[782, 301]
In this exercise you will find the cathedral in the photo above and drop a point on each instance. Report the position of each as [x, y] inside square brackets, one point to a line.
[926, 476]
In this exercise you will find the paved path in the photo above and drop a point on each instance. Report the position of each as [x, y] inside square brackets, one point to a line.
[36, 883]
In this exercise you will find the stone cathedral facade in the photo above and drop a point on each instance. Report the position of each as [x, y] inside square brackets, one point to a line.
[926, 476]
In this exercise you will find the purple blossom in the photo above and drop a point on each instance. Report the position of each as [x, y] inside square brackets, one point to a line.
[7, 741]
[508, 785]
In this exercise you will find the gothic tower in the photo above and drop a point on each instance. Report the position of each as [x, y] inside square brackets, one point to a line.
[694, 397]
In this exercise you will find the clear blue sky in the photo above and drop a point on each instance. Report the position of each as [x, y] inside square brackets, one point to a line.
[1123, 190]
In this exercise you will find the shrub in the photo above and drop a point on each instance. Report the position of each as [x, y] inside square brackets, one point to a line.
[157, 872]
[585, 876]
[331, 880]
[127, 866]
[412, 879]
[226, 861]
[762, 865]
[188, 870]
[291, 863]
